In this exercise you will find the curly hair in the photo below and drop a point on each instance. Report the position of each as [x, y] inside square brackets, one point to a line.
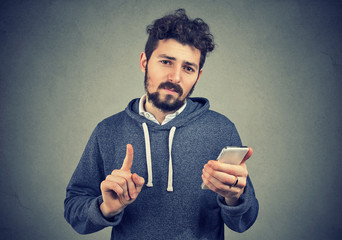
[184, 30]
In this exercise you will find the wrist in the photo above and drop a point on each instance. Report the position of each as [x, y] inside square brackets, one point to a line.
[107, 212]
[231, 202]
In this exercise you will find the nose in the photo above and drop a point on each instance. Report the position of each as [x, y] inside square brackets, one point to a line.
[174, 75]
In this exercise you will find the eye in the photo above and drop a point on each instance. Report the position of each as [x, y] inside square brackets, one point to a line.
[189, 69]
[166, 62]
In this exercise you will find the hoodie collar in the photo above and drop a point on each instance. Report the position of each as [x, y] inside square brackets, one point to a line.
[149, 116]
[194, 109]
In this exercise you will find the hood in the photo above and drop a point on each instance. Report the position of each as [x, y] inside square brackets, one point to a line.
[194, 109]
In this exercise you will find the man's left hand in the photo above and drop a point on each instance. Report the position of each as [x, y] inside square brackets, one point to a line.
[226, 179]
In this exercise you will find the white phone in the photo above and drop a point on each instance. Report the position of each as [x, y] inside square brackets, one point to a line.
[231, 155]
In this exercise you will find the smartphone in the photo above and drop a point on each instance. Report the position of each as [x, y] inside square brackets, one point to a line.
[231, 155]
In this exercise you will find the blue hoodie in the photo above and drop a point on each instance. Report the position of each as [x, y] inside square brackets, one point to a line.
[170, 157]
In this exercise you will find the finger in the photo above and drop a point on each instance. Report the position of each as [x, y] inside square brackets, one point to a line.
[139, 182]
[127, 176]
[121, 182]
[214, 184]
[131, 183]
[109, 186]
[236, 170]
[218, 187]
[248, 155]
[224, 178]
[132, 191]
[128, 161]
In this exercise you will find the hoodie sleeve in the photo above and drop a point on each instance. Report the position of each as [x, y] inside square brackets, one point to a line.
[241, 217]
[83, 194]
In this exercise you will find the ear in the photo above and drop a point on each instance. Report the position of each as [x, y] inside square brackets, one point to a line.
[143, 62]
[199, 75]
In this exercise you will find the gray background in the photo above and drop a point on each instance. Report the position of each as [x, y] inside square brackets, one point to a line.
[276, 73]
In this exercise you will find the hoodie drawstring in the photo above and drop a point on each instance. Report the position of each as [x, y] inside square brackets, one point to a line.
[170, 179]
[148, 155]
[149, 159]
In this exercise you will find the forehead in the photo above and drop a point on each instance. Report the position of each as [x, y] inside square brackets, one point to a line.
[175, 49]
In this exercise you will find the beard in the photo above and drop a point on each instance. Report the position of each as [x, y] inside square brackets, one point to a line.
[169, 103]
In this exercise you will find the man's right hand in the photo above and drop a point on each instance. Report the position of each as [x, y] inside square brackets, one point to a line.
[121, 187]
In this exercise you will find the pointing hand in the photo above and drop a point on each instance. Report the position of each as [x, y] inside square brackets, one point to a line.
[121, 187]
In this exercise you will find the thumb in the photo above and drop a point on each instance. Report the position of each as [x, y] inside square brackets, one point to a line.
[248, 155]
[128, 161]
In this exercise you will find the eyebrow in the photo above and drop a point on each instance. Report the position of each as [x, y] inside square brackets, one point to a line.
[173, 58]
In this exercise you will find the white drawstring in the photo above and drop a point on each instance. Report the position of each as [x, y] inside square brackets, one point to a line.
[148, 156]
[170, 179]
[149, 160]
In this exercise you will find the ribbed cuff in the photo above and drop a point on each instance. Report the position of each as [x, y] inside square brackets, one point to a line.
[240, 209]
[96, 217]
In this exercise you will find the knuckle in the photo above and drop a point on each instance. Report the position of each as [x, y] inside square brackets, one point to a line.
[221, 187]
[128, 176]
[208, 170]
[121, 181]
[235, 190]
[214, 188]
[243, 183]
[206, 176]
[226, 180]
[118, 189]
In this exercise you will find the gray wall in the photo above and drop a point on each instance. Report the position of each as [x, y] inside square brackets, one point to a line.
[276, 73]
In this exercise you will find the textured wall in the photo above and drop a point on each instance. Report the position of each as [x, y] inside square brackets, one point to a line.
[276, 73]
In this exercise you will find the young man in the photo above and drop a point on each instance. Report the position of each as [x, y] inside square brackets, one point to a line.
[172, 139]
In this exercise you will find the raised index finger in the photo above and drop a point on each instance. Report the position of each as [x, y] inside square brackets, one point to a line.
[128, 161]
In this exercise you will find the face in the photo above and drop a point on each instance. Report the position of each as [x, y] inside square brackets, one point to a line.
[170, 74]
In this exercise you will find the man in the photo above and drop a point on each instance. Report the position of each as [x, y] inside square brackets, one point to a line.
[171, 138]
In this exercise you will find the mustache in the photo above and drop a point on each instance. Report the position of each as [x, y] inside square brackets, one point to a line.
[172, 86]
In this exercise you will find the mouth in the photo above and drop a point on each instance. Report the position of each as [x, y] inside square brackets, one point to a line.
[171, 88]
